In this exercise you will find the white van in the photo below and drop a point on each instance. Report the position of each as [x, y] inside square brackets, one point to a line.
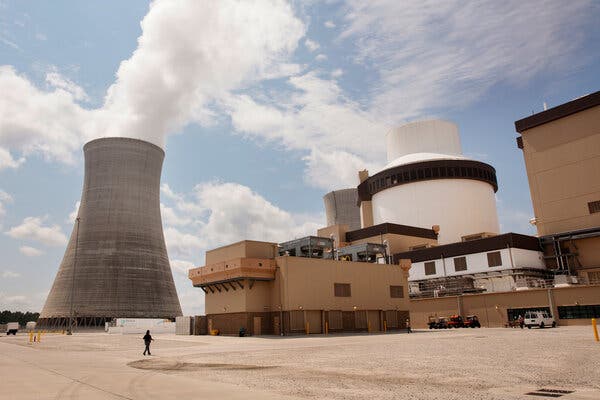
[539, 318]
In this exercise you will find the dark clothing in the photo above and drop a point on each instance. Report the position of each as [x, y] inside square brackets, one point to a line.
[147, 340]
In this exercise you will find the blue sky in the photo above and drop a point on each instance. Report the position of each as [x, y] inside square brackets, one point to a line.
[262, 107]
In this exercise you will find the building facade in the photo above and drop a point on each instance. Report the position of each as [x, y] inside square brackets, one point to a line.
[493, 264]
[247, 286]
[561, 148]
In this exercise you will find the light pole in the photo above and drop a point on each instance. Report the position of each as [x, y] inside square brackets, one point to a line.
[71, 316]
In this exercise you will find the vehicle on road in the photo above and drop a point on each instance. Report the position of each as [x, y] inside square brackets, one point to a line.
[456, 321]
[12, 328]
[540, 319]
[438, 323]
[472, 322]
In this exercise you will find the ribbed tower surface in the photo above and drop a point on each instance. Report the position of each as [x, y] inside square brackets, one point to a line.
[122, 268]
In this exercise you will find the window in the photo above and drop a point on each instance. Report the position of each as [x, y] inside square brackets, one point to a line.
[397, 292]
[594, 206]
[341, 289]
[430, 268]
[494, 259]
[579, 312]
[460, 264]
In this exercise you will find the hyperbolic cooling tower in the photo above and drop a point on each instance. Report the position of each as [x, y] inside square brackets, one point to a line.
[428, 181]
[116, 262]
[341, 207]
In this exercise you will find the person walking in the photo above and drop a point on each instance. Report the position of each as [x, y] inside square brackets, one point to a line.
[521, 321]
[147, 340]
[408, 330]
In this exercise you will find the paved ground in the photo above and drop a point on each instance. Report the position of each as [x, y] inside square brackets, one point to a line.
[467, 363]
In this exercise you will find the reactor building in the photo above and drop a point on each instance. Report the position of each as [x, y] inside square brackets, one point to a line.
[341, 208]
[116, 262]
[428, 181]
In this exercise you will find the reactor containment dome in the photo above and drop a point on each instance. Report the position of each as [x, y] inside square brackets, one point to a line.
[428, 182]
[116, 262]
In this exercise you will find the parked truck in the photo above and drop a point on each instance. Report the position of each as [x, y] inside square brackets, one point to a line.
[12, 328]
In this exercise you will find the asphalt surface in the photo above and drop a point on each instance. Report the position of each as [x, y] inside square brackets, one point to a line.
[497, 363]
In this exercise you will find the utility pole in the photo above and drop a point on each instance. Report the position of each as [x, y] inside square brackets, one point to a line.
[71, 316]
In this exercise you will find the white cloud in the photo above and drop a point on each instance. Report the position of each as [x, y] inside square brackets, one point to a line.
[7, 160]
[311, 45]
[30, 251]
[315, 115]
[57, 81]
[336, 73]
[431, 54]
[4, 198]
[32, 228]
[73, 214]
[10, 274]
[38, 122]
[182, 267]
[9, 43]
[181, 244]
[321, 57]
[329, 24]
[190, 53]
[231, 212]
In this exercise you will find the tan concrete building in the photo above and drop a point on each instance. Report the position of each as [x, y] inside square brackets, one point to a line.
[248, 285]
[561, 147]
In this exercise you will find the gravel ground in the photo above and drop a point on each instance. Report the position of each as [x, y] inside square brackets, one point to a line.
[466, 363]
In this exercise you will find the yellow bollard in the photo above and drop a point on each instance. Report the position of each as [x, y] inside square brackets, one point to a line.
[326, 328]
[307, 328]
[595, 328]
[39, 336]
[384, 326]
[369, 326]
[30, 337]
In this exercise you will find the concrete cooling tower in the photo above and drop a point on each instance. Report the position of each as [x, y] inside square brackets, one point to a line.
[116, 262]
[341, 208]
[428, 181]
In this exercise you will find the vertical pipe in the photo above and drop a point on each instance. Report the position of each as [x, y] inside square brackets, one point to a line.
[595, 328]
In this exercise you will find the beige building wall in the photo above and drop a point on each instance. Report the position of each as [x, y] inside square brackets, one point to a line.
[243, 249]
[562, 158]
[309, 284]
[491, 308]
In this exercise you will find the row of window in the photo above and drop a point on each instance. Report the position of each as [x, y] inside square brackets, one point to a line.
[344, 290]
[460, 263]
[430, 173]
[579, 312]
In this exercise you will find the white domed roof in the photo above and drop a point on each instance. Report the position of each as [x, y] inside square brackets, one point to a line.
[425, 137]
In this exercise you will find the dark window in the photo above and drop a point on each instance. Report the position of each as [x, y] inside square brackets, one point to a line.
[494, 259]
[594, 207]
[420, 174]
[397, 292]
[430, 268]
[341, 290]
[579, 312]
[460, 264]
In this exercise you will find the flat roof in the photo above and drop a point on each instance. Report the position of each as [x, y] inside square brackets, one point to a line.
[561, 111]
[513, 240]
[397, 229]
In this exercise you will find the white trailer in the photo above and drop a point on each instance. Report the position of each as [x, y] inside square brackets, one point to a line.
[12, 328]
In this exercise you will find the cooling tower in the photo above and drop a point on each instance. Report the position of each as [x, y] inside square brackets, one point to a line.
[428, 181]
[116, 262]
[341, 207]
